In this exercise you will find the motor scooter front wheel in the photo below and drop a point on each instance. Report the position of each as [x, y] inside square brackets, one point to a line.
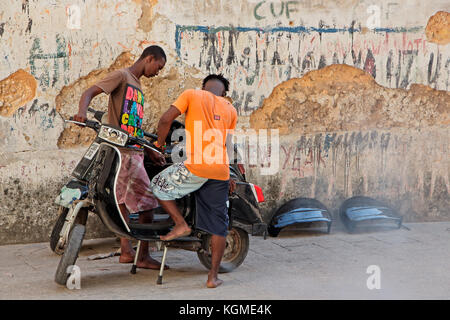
[56, 231]
[70, 255]
[236, 249]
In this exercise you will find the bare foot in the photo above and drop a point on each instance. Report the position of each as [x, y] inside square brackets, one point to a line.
[127, 257]
[213, 282]
[150, 263]
[177, 232]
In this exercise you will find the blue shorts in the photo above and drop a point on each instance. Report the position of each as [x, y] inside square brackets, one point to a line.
[212, 207]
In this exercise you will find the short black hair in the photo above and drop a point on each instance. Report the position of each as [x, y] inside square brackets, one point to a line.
[156, 51]
[219, 77]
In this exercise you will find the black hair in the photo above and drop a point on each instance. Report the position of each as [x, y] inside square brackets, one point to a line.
[156, 51]
[219, 77]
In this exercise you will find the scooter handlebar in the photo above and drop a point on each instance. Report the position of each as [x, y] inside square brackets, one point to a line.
[144, 143]
[132, 140]
[88, 123]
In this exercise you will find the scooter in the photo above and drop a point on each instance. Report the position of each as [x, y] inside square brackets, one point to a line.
[93, 189]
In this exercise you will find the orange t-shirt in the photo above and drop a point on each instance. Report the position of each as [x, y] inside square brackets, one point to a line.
[209, 118]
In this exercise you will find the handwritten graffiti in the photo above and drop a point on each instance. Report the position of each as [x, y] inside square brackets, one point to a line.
[45, 67]
[257, 59]
[302, 157]
[38, 113]
[277, 9]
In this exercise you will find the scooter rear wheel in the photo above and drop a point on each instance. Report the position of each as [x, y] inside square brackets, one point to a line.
[237, 244]
[70, 255]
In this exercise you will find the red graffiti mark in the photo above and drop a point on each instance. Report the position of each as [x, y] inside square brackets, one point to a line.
[69, 46]
[410, 46]
[123, 46]
[287, 153]
[219, 42]
[376, 50]
[321, 160]
[263, 77]
[309, 158]
[144, 43]
[386, 43]
[404, 41]
[417, 42]
[251, 151]
[265, 154]
[297, 160]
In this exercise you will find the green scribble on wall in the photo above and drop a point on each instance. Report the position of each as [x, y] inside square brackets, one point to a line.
[38, 59]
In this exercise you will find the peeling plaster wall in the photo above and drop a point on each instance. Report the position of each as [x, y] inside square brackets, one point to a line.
[50, 51]
[407, 168]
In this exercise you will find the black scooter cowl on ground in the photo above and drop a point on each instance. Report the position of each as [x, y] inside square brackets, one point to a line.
[362, 213]
[299, 211]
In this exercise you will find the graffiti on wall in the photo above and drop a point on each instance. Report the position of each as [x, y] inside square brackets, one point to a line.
[34, 126]
[365, 162]
[258, 59]
[46, 66]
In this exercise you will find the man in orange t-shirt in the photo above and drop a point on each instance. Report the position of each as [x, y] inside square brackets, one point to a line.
[210, 119]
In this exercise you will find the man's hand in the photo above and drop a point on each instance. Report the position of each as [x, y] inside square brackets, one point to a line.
[232, 186]
[80, 118]
[156, 157]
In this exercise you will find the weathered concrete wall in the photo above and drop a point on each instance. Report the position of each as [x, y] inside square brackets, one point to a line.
[404, 167]
[50, 51]
[343, 135]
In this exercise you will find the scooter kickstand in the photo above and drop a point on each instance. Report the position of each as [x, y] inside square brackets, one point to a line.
[161, 270]
[133, 267]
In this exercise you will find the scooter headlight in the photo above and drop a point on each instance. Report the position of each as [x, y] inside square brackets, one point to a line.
[113, 135]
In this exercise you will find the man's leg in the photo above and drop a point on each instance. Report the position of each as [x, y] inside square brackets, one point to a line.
[173, 183]
[144, 259]
[181, 228]
[218, 244]
[212, 216]
[126, 250]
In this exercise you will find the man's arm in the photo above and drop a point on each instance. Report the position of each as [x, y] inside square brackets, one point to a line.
[85, 100]
[106, 85]
[165, 122]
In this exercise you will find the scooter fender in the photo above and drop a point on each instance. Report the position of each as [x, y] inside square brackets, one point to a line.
[70, 219]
